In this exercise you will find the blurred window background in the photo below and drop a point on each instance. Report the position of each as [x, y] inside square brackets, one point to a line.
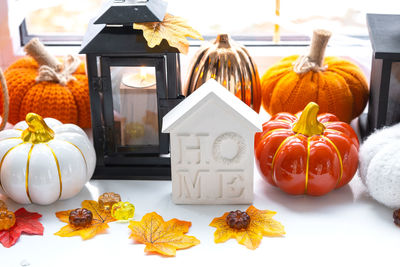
[248, 19]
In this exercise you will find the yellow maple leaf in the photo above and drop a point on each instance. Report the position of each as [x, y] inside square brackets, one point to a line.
[99, 223]
[160, 236]
[173, 29]
[261, 224]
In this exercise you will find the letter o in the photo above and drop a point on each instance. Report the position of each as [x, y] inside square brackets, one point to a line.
[229, 148]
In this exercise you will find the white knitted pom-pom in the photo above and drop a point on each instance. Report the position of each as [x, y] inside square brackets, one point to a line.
[383, 176]
[375, 143]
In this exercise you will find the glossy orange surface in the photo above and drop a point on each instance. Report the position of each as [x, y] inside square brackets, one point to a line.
[300, 164]
[290, 165]
[265, 151]
[324, 167]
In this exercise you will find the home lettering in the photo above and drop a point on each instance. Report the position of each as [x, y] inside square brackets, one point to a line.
[201, 176]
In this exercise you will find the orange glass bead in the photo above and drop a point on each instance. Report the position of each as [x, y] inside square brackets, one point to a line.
[80, 217]
[7, 219]
[238, 220]
[107, 200]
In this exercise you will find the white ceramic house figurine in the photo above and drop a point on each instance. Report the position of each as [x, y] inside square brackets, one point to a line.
[212, 147]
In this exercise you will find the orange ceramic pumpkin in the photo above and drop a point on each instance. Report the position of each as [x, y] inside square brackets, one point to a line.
[336, 85]
[306, 154]
[68, 103]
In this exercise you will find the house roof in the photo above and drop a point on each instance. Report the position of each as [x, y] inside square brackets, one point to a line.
[210, 89]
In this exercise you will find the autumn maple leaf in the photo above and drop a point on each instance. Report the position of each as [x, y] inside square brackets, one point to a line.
[25, 222]
[261, 224]
[173, 29]
[160, 236]
[99, 224]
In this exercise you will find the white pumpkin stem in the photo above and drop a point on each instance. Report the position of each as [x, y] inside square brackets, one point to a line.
[38, 131]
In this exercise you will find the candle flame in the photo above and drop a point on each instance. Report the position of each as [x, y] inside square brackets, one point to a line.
[143, 74]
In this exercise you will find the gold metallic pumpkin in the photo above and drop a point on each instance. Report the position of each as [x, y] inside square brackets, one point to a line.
[231, 65]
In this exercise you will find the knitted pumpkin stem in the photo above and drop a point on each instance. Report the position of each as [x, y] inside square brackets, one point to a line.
[50, 68]
[315, 59]
[318, 45]
[38, 131]
[38, 51]
[308, 123]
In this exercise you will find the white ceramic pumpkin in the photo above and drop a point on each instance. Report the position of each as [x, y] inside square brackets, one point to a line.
[43, 160]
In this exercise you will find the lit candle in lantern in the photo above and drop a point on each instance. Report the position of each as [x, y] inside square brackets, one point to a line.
[141, 79]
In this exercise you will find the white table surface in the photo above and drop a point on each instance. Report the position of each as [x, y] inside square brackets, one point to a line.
[345, 227]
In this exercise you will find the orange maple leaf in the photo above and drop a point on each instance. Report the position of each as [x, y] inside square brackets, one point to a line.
[99, 223]
[261, 224]
[160, 236]
[173, 29]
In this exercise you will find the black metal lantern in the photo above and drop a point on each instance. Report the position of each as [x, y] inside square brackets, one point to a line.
[384, 100]
[131, 88]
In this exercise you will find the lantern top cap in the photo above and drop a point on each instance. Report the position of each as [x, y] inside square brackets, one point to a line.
[384, 35]
[127, 12]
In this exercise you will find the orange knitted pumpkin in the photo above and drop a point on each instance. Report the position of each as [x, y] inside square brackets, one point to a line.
[336, 85]
[68, 103]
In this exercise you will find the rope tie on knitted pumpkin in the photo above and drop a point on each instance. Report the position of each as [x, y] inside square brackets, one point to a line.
[47, 73]
[4, 90]
[314, 61]
[303, 64]
[50, 68]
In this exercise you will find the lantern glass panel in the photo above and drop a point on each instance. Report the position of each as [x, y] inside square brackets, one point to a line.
[393, 111]
[135, 106]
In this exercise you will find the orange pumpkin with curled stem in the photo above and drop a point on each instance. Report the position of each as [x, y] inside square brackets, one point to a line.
[338, 86]
[306, 153]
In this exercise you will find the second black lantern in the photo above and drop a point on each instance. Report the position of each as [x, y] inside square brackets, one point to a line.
[384, 99]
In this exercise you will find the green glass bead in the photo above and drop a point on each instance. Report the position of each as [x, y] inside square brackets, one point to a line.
[122, 211]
